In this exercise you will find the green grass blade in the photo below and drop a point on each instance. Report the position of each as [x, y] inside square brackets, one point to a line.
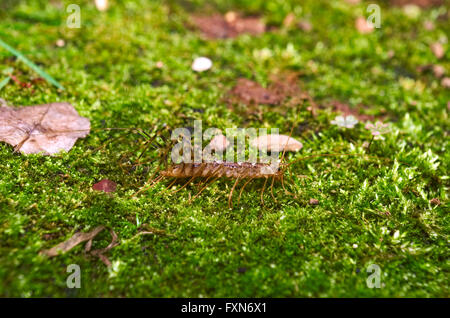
[4, 82]
[30, 64]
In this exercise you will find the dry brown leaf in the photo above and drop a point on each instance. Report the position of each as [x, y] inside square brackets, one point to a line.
[420, 3]
[76, 239]
[363, 26]
[346, 110]
[228, 26]
[276, 143]
[249, 92]
[47, 129]
[105, 185]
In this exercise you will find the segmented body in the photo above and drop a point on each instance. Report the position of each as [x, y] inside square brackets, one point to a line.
[218, 169]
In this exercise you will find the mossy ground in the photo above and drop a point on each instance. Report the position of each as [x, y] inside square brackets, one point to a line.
[288, 248]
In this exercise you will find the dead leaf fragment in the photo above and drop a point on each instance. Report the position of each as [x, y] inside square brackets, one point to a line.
[437, 49]
[228, 26]
[420, 3]
[276, 143]
[105, 185]
[47, 129]
[76, 239]
[346, 110]
[250, 92]
[435, 201]
[363, 26]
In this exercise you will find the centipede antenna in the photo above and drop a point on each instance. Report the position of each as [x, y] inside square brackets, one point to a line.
[242, 189]
[262, 191]
[230, 196]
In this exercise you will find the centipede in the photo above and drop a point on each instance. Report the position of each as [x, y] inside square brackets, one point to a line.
[209, 172]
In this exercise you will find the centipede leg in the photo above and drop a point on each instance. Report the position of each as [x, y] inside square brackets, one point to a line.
[242, 189]
[155, 181]
[185, 185]
[171, 184]
[204, 187]
[271, 189]
[213, 174]
[230, 196]
[262, 191]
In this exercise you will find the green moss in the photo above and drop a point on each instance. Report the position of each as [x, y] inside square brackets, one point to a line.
[285, 248]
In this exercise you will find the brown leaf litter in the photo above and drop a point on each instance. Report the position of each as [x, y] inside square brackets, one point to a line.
[47, 129]
[105, 185]
[282, 87]
[346, 110]
[230, 25]
[420, 3]
[79, 238]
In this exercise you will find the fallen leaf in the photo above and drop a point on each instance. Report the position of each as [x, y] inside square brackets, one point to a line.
[437, 49]
[76, 239]
[346, 110]
[435, 201]
[420, 3]
[46, 129]
[363, 26]
[228, 26]
[105, 185]
[249, 92]
[276, 143]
